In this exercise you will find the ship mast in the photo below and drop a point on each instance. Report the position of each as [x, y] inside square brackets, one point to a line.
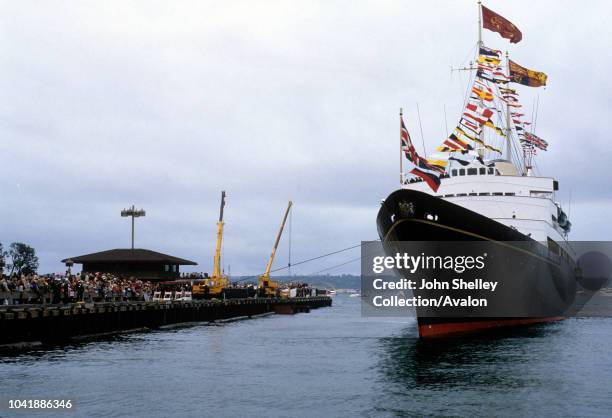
[479, 24]
[508, 148]
[481, 148]
[401, 159]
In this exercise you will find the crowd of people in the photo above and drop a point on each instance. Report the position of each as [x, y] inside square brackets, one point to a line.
[104, 287]
[300, 289]
[70, 288]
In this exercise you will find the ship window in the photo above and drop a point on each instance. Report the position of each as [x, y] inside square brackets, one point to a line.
[462, 171]
[454, 172]
[472, 171]
[490, 170]
[540, 193]
[461, 194]
[498, 194]
[473, 194]
[510, 194]
[449, 195]
[483, 194]
[483, 171]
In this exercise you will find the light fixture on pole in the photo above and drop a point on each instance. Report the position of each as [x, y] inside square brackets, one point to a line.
[134, 213]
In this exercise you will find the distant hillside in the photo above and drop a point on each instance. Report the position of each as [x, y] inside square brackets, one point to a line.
[345, 281]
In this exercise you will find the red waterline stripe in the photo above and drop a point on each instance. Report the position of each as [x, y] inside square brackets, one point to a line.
[439, 330]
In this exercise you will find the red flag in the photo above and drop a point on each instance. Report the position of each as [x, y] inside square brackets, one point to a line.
[432, 180]
[477, 113]
[501, 25]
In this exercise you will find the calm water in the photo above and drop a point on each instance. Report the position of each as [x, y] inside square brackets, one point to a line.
[330, 362]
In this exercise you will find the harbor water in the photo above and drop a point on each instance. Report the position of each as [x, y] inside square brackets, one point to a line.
[329, 362]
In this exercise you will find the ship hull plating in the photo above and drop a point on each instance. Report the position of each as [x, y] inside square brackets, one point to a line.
[409, 215]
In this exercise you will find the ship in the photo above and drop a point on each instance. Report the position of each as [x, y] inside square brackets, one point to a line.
[481, 185]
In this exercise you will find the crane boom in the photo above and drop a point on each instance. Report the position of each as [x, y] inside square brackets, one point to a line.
[216, 273]
[278, 237]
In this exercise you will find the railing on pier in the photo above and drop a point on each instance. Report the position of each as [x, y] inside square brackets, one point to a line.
[32, 297]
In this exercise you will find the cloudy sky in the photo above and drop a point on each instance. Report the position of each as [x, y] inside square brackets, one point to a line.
[164, 104]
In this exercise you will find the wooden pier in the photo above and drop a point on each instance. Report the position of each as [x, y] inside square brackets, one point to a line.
[25, 325]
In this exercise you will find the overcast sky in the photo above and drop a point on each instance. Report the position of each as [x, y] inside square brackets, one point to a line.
[165, 104]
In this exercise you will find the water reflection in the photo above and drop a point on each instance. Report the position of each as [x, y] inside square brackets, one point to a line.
[474, 374]
[492, 360]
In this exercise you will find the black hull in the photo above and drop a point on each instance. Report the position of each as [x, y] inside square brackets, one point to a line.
[408, 215]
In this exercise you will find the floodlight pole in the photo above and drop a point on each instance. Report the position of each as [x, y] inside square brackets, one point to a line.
[132, 229]
[134, 214]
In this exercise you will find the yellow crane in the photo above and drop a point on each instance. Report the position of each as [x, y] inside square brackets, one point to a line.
[269, 288]
[214, 285]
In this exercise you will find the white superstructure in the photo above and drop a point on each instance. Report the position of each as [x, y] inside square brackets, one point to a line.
[499, 192]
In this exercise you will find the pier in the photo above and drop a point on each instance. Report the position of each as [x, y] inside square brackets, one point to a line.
[30, 325]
